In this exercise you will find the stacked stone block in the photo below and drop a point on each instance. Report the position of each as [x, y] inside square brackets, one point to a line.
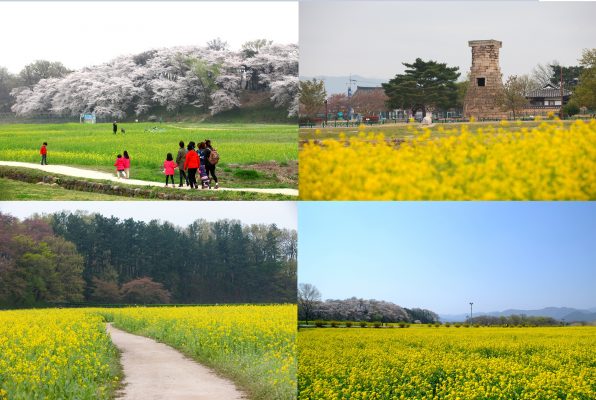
[485, 81]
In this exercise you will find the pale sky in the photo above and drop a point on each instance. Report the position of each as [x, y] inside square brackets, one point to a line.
[372, 39]
[82, 34]
[181, 213]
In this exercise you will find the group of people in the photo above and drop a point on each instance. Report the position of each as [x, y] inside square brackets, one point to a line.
[191, 160]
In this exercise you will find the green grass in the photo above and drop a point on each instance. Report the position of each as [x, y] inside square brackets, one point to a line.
[96, 147]
[15, 190]
[404, 131]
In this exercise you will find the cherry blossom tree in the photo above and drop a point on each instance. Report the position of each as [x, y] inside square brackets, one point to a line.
[209, 78]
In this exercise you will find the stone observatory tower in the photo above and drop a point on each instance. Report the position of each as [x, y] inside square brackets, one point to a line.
[485, 81]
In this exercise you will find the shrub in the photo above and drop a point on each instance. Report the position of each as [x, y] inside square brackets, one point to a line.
[319, 323]
[348, 324]
[334, 324]
[377, 324]
[447, 324]
[570, 109]
[363, 324]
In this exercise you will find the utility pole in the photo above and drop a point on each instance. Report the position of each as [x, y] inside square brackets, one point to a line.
[561, 89]
[471, 304]
[350, 81]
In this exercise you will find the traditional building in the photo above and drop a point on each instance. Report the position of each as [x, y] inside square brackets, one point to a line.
[549, 96]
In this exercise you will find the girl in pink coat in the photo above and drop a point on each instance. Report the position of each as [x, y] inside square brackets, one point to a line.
[168, 168]
[119, 164]
[126, 164]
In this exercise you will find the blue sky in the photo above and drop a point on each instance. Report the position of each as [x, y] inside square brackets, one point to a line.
[442, 255]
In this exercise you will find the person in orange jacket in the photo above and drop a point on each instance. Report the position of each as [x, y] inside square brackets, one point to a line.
[191, 164]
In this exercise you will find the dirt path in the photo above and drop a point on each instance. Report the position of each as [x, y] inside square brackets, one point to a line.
[90, 174]
[155, 371]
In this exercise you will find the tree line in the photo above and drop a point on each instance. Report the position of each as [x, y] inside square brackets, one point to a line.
[310, 307]
[77, 257]
[210, 78]
[513, 320]
[430, 86]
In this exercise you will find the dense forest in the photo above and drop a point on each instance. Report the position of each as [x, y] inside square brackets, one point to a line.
[78, 257]
[209, 79]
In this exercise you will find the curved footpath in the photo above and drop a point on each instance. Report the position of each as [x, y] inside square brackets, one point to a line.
[155, 371]
[90, 174]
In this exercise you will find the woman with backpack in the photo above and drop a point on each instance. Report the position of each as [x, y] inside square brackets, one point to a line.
[211, 159]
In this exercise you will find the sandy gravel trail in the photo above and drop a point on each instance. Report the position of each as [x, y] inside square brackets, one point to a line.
[155, 371]
[91, 174]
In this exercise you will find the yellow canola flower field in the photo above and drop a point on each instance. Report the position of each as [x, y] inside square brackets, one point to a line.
[254, 345]
[55, 354]
[447, 363]
[553, 161]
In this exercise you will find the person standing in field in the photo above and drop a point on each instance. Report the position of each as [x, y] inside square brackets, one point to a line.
[191, 164]
[168, 168]
[115, 127]
[211, 159]
[126, 164]
[180, 158]
[119, 164]
[44, 153]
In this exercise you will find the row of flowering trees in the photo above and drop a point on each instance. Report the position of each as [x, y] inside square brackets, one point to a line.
[208, 78]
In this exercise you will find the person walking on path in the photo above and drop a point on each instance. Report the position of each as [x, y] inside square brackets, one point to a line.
[119, 164]
[168, 168]
[191, 164]
[180, 158]
[115, 127]
[44, 153]
[202, 171]
[211, 159]
[126, 164]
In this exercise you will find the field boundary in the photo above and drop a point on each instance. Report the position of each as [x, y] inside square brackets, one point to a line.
[34, 176]
[91, 174]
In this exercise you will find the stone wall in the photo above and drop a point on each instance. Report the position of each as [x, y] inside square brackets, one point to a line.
[481, 101]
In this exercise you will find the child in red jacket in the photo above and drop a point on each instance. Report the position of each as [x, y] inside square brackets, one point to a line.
[119, 164]
[44, 153]
[169, 165]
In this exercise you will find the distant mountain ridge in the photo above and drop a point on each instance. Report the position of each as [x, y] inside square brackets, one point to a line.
[567, 314]
[339, 84]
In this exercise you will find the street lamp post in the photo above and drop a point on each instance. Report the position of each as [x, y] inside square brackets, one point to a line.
[471, 304]
[326, 112]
